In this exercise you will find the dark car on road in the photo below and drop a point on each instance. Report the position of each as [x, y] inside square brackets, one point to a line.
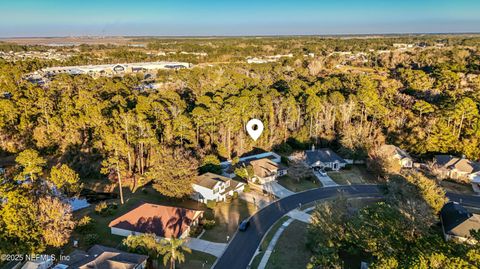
[244, 225]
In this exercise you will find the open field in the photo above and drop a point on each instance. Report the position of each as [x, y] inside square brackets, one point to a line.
[356, 174]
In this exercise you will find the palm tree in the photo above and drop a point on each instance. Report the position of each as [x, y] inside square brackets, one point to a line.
[173, 251]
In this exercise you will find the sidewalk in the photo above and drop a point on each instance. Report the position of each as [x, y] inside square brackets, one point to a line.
[299, 215]
[216, 249]
[273, 242]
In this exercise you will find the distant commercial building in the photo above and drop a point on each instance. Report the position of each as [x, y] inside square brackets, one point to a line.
[113, 69]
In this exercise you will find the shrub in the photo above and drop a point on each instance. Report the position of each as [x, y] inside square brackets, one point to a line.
[246, 188]
[91, 239]
[144, 191]
[235, 195]
[229, 199]
[208, 224]
[100, 207]
[195, 231]
[285, 160]
[85, 225]
[211, 204]
[105, 209]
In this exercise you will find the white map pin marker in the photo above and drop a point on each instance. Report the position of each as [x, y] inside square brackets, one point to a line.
[254, 128]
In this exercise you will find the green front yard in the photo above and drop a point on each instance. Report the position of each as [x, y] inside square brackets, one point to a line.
[266, 240]
[298, 184]
[355, 174]
[291, 251]
[227, 217]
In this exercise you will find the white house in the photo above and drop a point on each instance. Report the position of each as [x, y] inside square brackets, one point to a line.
[324, 159]
[213, 187]
[397, 153]
[163, 221]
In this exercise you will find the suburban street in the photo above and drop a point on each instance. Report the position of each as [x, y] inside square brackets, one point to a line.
[243, 245]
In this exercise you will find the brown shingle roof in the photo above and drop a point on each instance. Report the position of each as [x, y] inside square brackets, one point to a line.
[164, 221]
[208, 180]
[460, 164]
[264, 167]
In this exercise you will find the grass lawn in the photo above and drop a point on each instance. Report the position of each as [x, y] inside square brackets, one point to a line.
[195, 260]
[356, 174]
[227, 217]
[291, 251]
[267, 239]
[296, 185]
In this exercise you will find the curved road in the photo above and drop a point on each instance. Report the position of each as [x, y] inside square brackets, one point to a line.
[243, 245]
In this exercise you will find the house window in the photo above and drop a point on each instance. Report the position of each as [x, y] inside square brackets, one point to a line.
[215, 190]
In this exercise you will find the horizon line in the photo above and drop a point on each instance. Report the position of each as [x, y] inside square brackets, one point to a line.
[250, 35]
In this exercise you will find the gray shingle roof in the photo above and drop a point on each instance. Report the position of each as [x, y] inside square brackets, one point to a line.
[457, 221]
[324, 155]
[101, 257]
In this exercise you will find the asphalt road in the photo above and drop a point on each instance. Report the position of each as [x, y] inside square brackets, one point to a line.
[243, 245]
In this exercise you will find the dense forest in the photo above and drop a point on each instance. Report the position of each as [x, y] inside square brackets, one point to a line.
[425, 100]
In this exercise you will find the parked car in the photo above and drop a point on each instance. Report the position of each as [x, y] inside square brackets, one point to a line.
[244, 225]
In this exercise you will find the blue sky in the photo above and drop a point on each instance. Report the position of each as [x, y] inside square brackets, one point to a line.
[261, 17]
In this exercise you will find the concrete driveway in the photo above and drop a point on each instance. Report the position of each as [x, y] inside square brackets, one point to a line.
[276, 189]
[325, 180]
[216, 249]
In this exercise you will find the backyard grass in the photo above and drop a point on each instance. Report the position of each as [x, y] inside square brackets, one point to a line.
[291, 251]
[298, 185]
[227, 217]
[356, 174]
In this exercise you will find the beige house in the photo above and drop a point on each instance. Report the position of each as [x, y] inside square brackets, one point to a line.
[266, 170]
[397, 153]
[449, 166]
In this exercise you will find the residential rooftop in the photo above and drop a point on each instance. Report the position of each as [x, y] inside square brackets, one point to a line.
[163, 221]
